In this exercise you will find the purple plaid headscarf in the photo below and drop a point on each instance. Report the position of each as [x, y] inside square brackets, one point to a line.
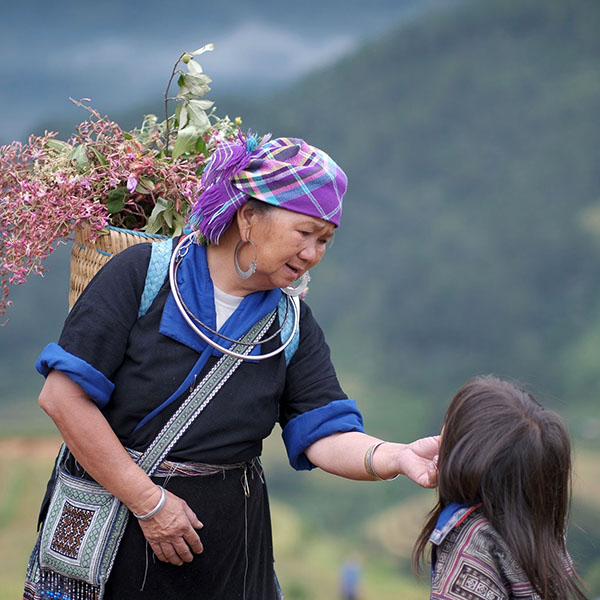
[284, 172]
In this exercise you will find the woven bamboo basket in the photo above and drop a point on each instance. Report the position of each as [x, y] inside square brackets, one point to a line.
[88, 256]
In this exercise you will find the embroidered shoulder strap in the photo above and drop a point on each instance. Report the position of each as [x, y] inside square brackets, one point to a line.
[158, 267]
[203, 393]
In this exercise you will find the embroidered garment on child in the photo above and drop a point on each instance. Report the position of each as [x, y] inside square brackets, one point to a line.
[470, 560]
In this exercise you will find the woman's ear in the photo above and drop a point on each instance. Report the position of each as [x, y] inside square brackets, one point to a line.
[244, 217]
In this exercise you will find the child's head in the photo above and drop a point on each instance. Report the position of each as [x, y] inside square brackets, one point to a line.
[499, 445]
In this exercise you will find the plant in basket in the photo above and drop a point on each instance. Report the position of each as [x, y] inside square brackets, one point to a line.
[104, 181]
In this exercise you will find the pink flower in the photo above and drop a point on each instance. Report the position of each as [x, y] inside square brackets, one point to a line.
[132, 183]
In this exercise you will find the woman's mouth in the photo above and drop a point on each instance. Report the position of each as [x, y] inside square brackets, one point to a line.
[295, 272]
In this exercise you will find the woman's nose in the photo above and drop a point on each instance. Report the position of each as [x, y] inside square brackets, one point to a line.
[309, 253]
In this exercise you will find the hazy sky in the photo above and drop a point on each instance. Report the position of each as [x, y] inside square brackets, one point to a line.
[121, 56]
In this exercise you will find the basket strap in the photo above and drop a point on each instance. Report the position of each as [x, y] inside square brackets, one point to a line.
[290, 350]
[158, 268]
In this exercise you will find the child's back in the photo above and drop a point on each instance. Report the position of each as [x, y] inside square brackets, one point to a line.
[473, 561]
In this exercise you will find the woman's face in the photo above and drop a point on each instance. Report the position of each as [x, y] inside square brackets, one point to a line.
[287, 244]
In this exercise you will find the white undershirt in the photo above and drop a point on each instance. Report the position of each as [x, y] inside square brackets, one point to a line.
[225, 305]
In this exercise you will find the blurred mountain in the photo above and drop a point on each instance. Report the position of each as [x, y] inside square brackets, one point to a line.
[120, 53]
[468, 242]
[471, 140]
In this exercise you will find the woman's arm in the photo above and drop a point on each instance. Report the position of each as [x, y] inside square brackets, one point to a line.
[344, 454]
[172, 531]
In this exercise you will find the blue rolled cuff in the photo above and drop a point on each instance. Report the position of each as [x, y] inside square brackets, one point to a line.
[93, 383]
[339, 416]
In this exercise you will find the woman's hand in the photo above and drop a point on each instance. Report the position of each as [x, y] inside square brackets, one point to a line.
[418, 461]
[171, 533]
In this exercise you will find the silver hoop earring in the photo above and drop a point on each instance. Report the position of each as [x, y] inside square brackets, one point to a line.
[300, 288]
[252, 267]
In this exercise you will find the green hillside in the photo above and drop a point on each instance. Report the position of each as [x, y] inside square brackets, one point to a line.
[472, 143]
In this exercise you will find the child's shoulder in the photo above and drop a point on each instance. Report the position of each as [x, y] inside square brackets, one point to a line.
[470, 531]
[473, 555]
[451, 518]
[477, 538]
[476, 528]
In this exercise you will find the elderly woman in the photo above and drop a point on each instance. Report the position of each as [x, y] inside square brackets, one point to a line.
[119, 373]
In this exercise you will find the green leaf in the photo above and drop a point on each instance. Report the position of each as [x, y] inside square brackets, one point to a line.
[99, 156]
[79, 157]
[182, 117]
[168, 216]
[155, 220]
[186, 141]
[144, 185]
[127, 135]
[203, 104]
[161, 205]
[152, 226]
[149, 125]
[198, 118]
[196, 85]
[205, 48]
[59, 145]
[115, 200]
[200, 149]
[184, 92]
[178, 225]
[194, 67]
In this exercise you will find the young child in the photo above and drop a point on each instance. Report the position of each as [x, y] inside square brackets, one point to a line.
[504, 476]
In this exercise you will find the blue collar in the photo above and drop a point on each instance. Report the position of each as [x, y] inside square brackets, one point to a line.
[197, 291]
[451, 516]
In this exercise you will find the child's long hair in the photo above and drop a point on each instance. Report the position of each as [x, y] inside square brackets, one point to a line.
[501, 447]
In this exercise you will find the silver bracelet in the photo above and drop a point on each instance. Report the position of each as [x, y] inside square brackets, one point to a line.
[369, 468]
[161, 503]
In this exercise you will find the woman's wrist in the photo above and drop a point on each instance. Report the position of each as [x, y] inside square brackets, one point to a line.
[157, 508]
[379, 463]
[144, 498]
